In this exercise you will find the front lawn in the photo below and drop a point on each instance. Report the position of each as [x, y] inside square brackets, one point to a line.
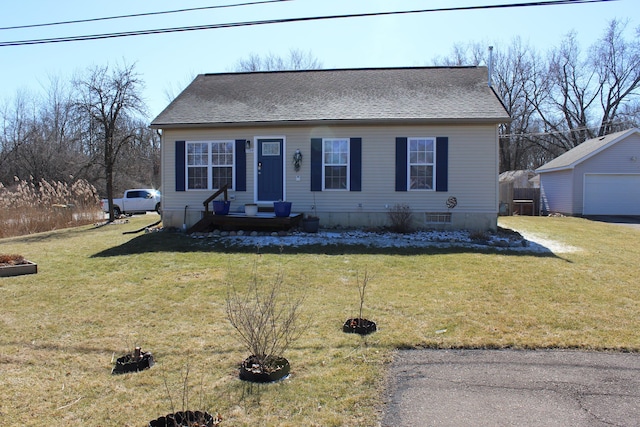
[99, 292]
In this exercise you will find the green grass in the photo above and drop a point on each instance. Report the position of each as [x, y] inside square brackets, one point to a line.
[99, 292]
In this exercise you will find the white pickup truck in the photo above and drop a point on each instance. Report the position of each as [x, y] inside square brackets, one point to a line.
[135, 201]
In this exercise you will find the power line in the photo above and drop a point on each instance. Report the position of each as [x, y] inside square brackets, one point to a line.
[137, 15]
[286, 20]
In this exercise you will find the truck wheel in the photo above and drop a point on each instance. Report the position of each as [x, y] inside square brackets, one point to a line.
[158, 208]
[116, 212]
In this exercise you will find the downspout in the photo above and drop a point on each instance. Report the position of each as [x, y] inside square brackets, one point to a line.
[184, 221]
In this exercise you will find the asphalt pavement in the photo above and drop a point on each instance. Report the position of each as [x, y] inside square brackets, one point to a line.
[512, 388]
[627, 220]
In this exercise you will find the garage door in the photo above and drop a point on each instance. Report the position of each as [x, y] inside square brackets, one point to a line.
[611, 194]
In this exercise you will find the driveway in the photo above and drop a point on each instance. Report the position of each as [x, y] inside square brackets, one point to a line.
[513, 388]
[632, 221]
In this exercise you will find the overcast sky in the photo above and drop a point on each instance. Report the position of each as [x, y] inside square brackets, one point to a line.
[167, 62]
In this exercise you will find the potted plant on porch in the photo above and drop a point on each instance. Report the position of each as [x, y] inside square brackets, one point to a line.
[251, 209]
[282, 208]
[221, 207]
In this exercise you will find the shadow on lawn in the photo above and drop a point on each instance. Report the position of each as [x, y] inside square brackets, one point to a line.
[176, 242]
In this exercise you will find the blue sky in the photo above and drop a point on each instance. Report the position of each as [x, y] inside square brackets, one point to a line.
[167, 62]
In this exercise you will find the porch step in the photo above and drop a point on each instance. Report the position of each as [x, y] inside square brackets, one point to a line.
[202, 226]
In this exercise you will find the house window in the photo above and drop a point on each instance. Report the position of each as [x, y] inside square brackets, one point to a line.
[335, 163]
[421, 170]
[209, 164]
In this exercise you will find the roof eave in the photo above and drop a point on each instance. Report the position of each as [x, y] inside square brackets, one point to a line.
[390, 121]
[556, 169]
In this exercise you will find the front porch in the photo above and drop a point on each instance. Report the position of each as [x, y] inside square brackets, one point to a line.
[264, 219]
[241, 221]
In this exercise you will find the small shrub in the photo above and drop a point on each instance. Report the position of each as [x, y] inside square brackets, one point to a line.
[400, 217]
[265, 316]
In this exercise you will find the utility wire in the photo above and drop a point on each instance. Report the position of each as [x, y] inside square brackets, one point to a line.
[137, 15]
[286, 20]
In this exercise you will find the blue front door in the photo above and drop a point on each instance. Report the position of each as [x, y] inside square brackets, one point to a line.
[270, 169]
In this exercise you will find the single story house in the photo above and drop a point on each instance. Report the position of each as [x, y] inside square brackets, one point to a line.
[601, 176]
[346, 145]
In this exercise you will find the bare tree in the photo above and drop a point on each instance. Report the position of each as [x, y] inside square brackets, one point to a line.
[174, 89]
[591, 94]
[110, 100]
[617, 64]
[16, 129]
[296, 60]
[513, 69]
[558, 102]
[566, 95]
[139, 162]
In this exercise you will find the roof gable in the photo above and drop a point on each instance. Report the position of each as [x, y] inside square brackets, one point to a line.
[584, 151]
[389, 94]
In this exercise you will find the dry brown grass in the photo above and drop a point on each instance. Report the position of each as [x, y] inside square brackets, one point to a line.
[28, 207]
[99, 292]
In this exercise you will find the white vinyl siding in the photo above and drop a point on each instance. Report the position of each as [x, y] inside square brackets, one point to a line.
[556, 192]
[472, 176]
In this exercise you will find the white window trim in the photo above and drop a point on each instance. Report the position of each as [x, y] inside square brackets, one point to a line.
[348, 184]
[209, 164]
[433, 180]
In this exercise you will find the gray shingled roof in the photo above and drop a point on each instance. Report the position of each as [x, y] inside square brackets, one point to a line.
[582, 152]
[387, 94]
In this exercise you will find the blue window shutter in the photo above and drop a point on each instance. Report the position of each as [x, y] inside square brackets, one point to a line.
[355, 176]
[442, 163]
[401, 164]
[316, 164]
[181, 165]
[241, 165]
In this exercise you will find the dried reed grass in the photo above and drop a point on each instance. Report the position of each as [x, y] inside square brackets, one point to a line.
[30, 206]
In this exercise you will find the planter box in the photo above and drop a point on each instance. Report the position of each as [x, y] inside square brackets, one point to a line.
[17, 270]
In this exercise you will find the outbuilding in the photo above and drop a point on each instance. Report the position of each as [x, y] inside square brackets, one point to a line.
[601, 176]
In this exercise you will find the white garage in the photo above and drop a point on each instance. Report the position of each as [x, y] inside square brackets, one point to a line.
[601, 176]
[611, 194]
